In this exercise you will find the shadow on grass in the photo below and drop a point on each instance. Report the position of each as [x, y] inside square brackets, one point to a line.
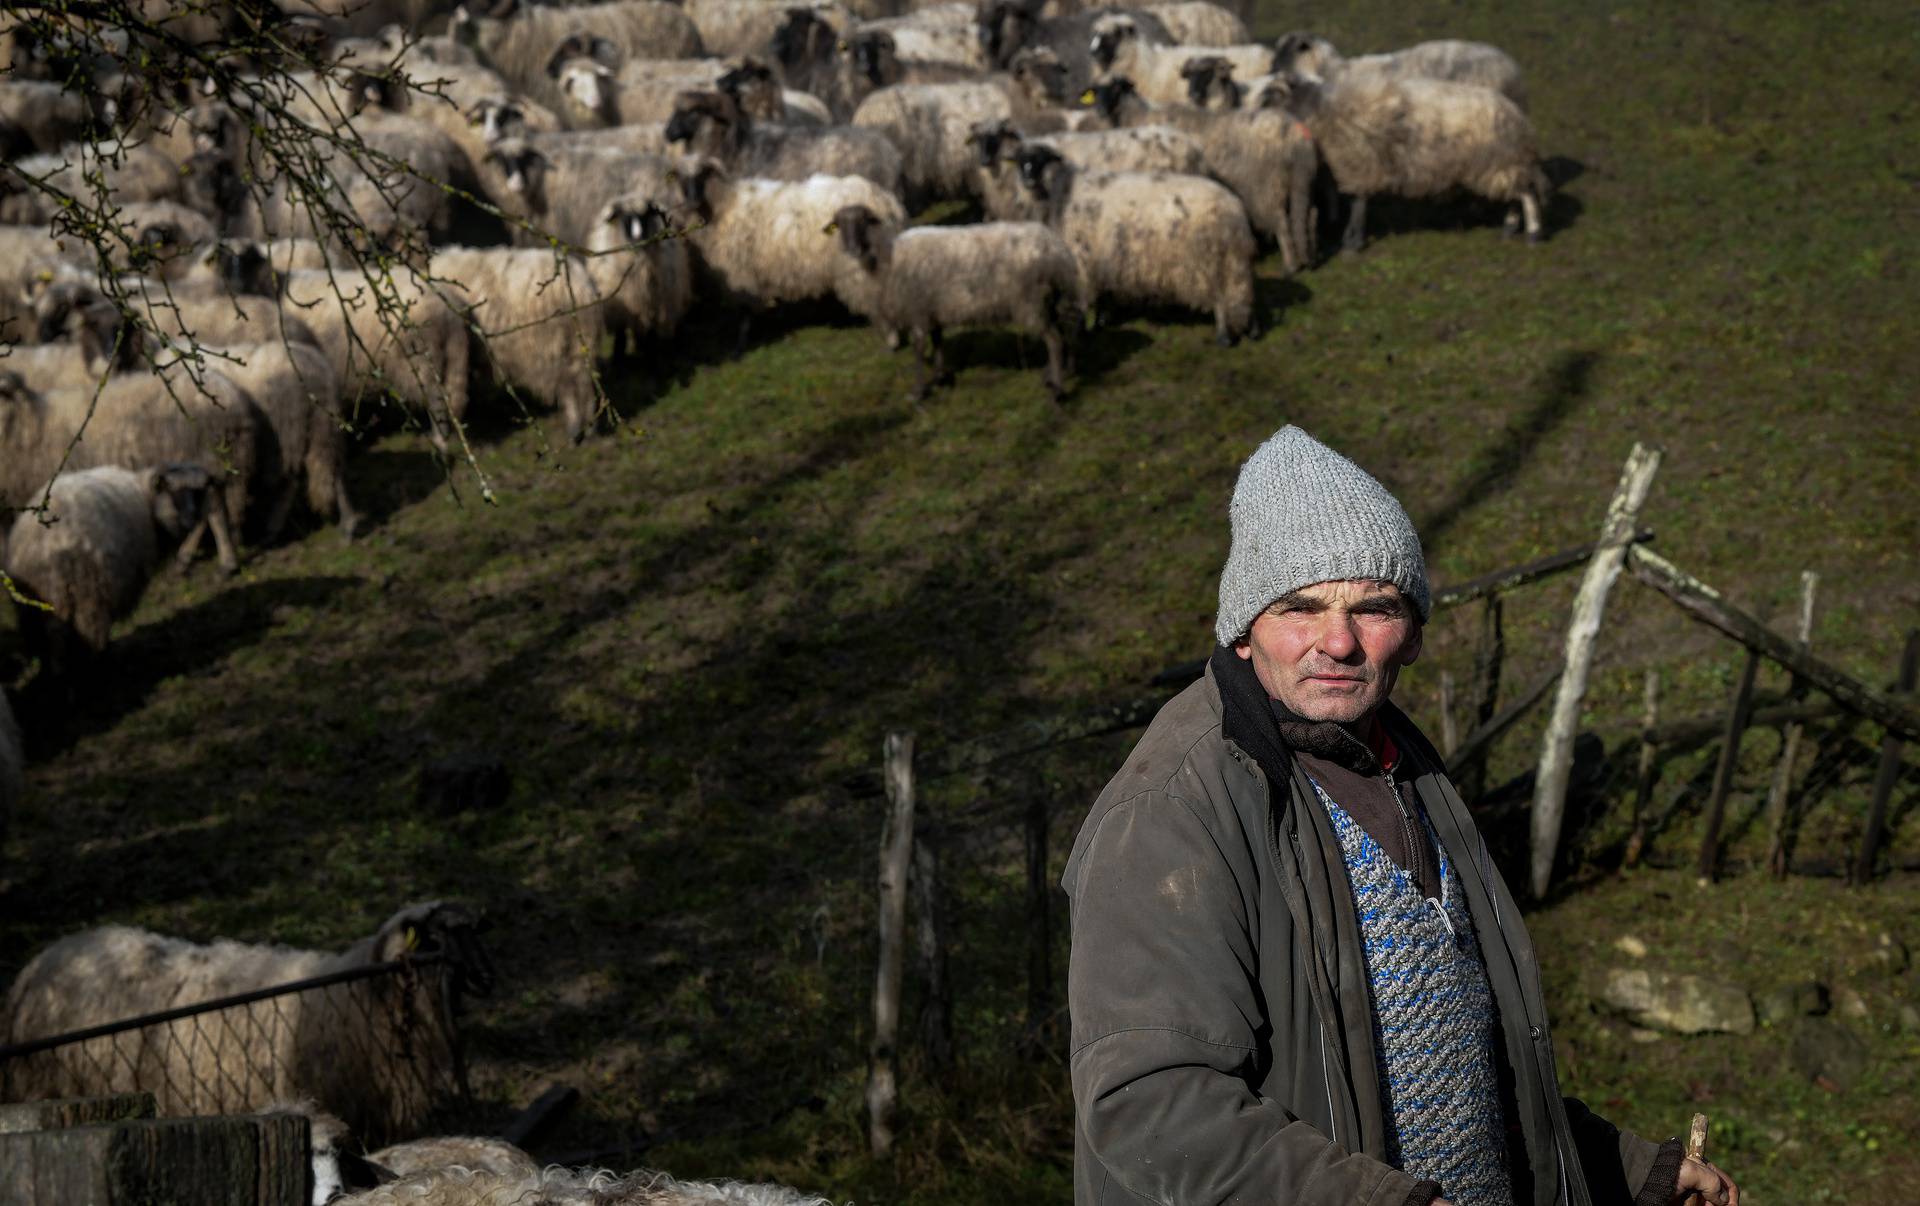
[386, 480]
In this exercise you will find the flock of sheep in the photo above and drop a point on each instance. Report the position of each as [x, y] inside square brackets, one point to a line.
[540, 193]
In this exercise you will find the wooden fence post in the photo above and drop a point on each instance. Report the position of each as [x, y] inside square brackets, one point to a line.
[1649, 767]
[1556, 749]
[1039, 924]
[936, 1017]
[1737, 714]
[1488, 658]
[896, 859]
[1782, 786]
[1449, 731]
[1889, 771]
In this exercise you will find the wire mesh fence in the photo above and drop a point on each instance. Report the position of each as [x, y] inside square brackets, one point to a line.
[374, 1045]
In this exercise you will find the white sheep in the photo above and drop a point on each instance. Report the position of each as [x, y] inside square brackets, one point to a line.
[1132, 149]
[729, 28]
[713, 126]
[369, 1051]
[476, 1152]
[1461, 62]
[1018, 274]
[50, 114]
[1149, 236]
[562, 1187]
[930, 125]
[1200, 23]
[557, 184]
[1119, 50]
[86, 171]
[89, 555]
[518, 40]
[645, 276]
[1420, 138]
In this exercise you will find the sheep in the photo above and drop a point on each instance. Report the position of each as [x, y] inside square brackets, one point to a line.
[1118, 50]
[729, 28]
[49, 115]
[541, 318]
[939, 33]
[644, 90]
[1018, 274]
[1461, 62]
[1199, 23]
[647, 279]
[930, 124]
[557, 185]
[368, 1051]
[1007, 27]
[336, 1168]
[1149, 236]
[712, 126]
[756, 89]
[86, 171]
[1133, 149]
[1210, 85]
[1420, 138]
[159, 235]
[384, 334]
[89, 556]
[871, 60]
[473, 1152]
[564, 1187]
[1265, 156]
[805, 53]
[759, 243]
[518, 40]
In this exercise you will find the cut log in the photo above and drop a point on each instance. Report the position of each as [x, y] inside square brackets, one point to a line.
[1556, 748]
[230, 1161]
[58, 1113]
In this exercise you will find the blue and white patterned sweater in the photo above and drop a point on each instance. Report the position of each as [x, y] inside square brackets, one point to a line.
[1433, 1022]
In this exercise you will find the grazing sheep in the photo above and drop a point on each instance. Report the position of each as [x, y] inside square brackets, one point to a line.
[1133, 149]
[930, 124]
[1006, 27]
[1018, 274]
[90, 555]
[369, 1051]
[647, 279]
[562, 1187]
[518, 40]
[48, 114]
[558, 184]
[384, 334]
[1461, 62]
[1199, 23]
[540, 315]
[1265, 156]
[1149, 236]
[473, 1152]
[713, 127]
[759, 243]
[1420, 138]
[1118, 50]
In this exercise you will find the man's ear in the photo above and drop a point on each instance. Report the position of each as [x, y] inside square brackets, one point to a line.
[1410, 652]
[1243, 649]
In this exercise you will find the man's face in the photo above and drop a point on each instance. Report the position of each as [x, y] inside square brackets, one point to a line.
[1331, 651]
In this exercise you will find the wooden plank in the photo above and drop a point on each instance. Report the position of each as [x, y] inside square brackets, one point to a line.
[1649, 769]
[1738, 714]
[1888, 773]
[1706, 605]
[1556, 747]
[245, 1161]
[1500, 581]
[1781, 788]
[896, 859]
[58, 1113]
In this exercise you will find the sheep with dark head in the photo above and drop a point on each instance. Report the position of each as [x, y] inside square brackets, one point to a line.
[713, 127]
[930, 124]
[518, 40]
[1461, 62]
[371, 1051]
[1132, 149]
[1119, 50]
[645, 276]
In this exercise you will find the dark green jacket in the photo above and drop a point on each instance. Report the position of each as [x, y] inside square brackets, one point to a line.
[1222, 1046]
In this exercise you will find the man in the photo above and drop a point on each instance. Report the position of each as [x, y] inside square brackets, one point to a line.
[1296, 975]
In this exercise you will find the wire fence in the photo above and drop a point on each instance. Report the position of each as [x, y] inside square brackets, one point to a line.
[374, 1045]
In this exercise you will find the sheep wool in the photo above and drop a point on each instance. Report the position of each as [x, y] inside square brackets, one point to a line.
[475, 1152]
[930, 124]
[561, 1187]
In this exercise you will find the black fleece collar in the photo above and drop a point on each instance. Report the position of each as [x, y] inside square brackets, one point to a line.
[1267, 729]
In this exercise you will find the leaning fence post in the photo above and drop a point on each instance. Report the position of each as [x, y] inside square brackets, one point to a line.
[1449, 731]
[1649, 769]
[1789, 741]
[936, 1017]
[896, 858]
[1039, 923]
[1487, 659]
[1737, 714]
[1889, 771]
[1556, 750]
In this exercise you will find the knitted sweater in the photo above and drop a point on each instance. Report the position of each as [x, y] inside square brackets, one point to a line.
[1433, 1022]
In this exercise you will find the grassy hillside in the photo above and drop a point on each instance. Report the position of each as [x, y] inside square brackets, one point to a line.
[683, 637]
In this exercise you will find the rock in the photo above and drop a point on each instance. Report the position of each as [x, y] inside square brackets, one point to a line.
[1850, 1004]
[1909, 1020]
[1678, 1003]
[1824, 1049]
[1788, 1001]
[1630, 946]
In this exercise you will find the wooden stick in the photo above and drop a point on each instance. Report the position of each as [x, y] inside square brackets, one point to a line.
[1737, 715]
[1499, 581]
[896, 858]
[1649, 770]
[1697, 1138]
[1475, 743]
[1556, 748]
[1782, 785]
[1449, 731]
[1888, 773]
[1706, 605]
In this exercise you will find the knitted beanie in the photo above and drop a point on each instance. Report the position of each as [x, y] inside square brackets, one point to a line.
[1302, 514]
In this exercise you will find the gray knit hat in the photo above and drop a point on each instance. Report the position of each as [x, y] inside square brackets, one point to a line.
[1302, 514]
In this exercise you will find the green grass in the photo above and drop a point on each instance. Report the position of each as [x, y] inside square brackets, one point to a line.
[683, 637]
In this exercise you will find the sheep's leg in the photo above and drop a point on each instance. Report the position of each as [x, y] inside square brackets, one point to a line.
[343, 508]
[1530, 204]
[222, 531]
[1356, 236]
[941, 374]
[1057, 370]
[282, 507]
[920, 341]
[190, 546]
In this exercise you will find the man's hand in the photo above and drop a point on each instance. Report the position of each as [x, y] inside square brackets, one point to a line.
[1702, 1184]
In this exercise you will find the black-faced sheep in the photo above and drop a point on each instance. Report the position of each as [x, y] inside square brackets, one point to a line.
[1133, 149]
[1420, 138]
[87, 172]
[518, 40]
[1118, 50]
[557, 184]
[561, 1187]
[1017, 274]
[375, 1052]
[89, 556]
[1006, 27]
[1461, 62]
[645, 276]
[1199, 23]
[729, 28]
[1149, 237]
[49, 114]
[537, 320]
[930, 125]
[713, 127]
[756, 89]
